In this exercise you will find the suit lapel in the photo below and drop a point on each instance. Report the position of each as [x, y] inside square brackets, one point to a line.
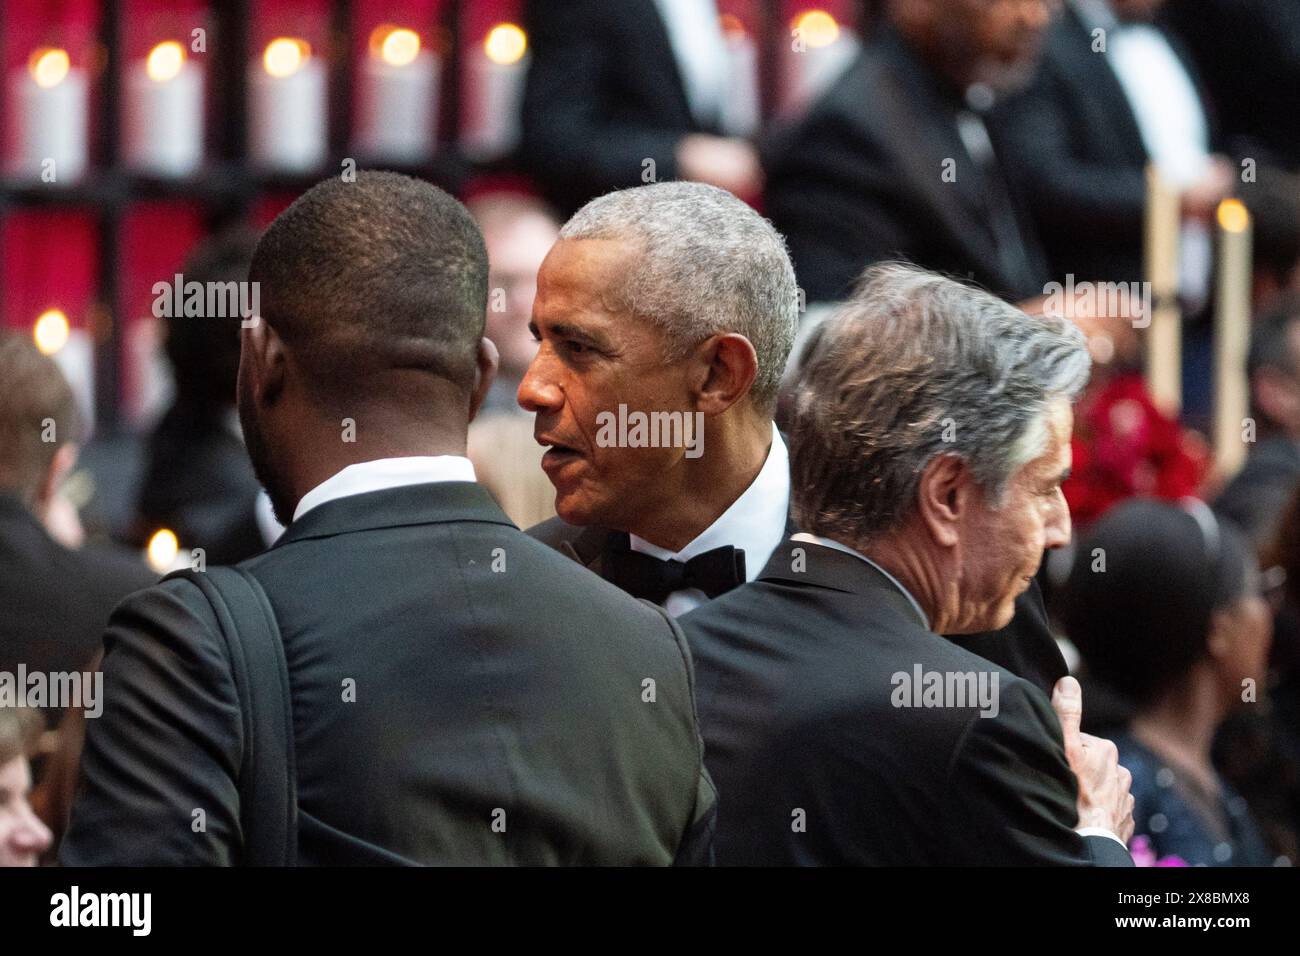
[910, 119]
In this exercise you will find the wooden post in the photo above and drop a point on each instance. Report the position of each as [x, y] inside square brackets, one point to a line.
[1232, 336]
[1164, 347]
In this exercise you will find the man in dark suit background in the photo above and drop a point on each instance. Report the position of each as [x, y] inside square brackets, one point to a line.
[614, 85]
[929, 438]
[197, 480]
[678, 296]
[460, 693]
[1248, 54]
[896, 161]
[1081, 149]
[54, 599]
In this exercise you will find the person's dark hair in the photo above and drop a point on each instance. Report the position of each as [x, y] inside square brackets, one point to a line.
[38, 414]
[204, 350]
[1274, 203]
[20, 728]
[1269, 345]
[1143, 589]
[367, 277]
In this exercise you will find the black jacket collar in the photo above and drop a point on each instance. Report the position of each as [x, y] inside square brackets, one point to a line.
[428, 503]
[804, 564]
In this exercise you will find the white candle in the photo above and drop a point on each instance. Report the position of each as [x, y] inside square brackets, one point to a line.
[1164, 352]
[48, 103]
[496, 87]
[1232, 336]
[164, 113]
[819, 50]
[740, 111]
[399, 91]
[288, 108]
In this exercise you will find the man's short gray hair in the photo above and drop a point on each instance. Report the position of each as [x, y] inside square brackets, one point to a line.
[914, 365]
[710, 264]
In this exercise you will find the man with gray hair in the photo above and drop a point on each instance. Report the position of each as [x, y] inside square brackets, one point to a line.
[930, 434]
[665, 315]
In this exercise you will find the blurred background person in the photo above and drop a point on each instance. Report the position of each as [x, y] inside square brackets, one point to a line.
[1248, 54]
[54, 599]
[197, 481]
[23, 837]
[1114, 92]
[1274, 204]
[1255, 498]
[518, 231]
[614, 85]
[1174, 621]
[896, 159]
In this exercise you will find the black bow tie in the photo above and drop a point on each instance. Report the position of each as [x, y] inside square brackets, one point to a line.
[640, 575]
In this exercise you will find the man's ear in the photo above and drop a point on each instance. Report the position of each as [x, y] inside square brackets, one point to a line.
[264, 360]
[489, 360]
[944, 498]
[729, 366]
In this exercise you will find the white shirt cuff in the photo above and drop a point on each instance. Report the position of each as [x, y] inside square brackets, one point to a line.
[1100, 831]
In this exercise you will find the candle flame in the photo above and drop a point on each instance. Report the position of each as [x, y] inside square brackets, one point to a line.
[817, 27]
[165, 61]
[51, 331]
[1233, 215]
[732, 27]
[49, 66]
[285, 56]
[505, 44]
[396, 46]
[162, 550]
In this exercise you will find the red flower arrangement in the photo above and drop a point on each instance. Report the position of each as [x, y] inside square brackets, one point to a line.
[1125, 447]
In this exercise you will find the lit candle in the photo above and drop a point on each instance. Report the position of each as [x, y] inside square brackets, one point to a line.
[164, 113]
[1164, 354]
[74, 353]
[288, 107]
[496, 86]
[740, 111]
[398, 96]
[818, 52]
[1232, 336]
[48, 105]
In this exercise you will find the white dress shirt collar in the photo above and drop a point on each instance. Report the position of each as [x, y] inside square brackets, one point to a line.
[384, 473]
[755, 522]
[832, 543]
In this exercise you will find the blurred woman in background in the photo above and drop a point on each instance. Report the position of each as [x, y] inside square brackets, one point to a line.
[1164, 604]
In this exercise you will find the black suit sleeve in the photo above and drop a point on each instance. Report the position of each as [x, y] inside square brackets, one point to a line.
[1013, 795]
[567, 139]
[696, 848]
[811, 168]
[167, 745]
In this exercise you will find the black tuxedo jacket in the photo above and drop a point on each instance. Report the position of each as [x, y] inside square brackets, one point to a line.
[860, 179]
[603, 95]
[487, 673]
[1075, 145]
[1025, 646]
[54, 601]
[816, 761]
